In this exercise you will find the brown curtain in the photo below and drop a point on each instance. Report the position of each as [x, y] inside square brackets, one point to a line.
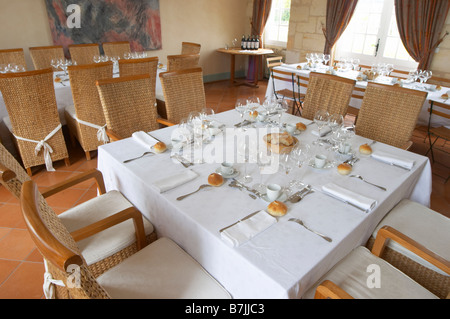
[261, 11]
[339, 13]
[420, 24]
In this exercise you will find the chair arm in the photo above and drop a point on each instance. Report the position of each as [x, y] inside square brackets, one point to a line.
[113, 135]
[387, 232]
[164, 122]
[129, 213]
[93, 173]
[6, 174]
[329, 290]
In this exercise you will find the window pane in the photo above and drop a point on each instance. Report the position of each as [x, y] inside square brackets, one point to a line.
[390, 50]
[358, 43]
[373, 24]
[369, 45]
[283, 34]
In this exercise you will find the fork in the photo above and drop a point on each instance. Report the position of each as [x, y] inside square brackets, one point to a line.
[300, 222]
[201, 187]
[132, 159]
[361, 178]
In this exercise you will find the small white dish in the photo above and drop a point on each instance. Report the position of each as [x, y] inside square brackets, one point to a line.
[282, 198]
[233, 175]
[327, 165]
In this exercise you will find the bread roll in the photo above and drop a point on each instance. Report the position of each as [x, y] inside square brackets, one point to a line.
[365, 149]
[215, 179]
[301, 126]
[277, 209]
[159, 147]
[344, 169]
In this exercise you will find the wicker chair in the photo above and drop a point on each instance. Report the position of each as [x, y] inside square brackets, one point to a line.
[181, 62]
[139, 66]
[116, 48]
[159, 270]
[329, 92]
[128, 105]
[388, 114]
[100, 251]
[426, 227]
[16, 56]
[184, 92]
[42, 56]
[31, 104]
[84, 53]
[85, 119]
[190, 48]
[350, 277]
[289, 77]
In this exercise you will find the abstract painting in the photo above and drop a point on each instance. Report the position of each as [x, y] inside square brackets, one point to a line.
[98, 21]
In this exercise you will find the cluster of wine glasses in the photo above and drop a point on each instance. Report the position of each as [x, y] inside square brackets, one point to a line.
[11, 68]
[104, 58]
[196, 129]
[135, 55]
[347, 64]
[247, 106]
[317, 59]
[383, 69]
[422, 75]
[62, 64]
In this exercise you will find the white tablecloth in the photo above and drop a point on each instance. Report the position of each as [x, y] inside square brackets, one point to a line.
[284, 260]
[355, 102]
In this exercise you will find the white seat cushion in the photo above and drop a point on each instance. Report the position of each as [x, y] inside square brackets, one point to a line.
[351, 274]
[107, 242]
[425, 226]
[161, 270]
[8, 124]
[71, 111]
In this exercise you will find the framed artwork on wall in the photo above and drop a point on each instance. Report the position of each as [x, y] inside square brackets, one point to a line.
[87, 21]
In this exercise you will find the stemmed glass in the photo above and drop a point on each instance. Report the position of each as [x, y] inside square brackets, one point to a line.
[244, 150]
[389, 68]
[241, 107]
[97, 58]
[262, 160]
[326, 58]
[355, 63]
[55, 64]
[321, 119]
[282, 107]
[301, 155]
[269, 105]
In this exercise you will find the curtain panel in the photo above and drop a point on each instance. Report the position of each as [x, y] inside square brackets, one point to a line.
[339, 13]
[261, 11]
[420, 23]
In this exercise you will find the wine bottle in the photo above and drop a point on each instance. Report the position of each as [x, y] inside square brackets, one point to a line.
[243, 46]
[257, 43]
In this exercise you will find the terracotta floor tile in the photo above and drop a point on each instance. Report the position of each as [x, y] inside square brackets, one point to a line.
[51, 178]
[6, 268]
[11, 216]
[34, 256]
[24, 283]
[16, 245]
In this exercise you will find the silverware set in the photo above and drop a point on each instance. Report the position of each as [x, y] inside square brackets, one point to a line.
[236, 184]
[182, 160]
[298, 196]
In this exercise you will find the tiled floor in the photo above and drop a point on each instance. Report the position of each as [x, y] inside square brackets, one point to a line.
[21, 267]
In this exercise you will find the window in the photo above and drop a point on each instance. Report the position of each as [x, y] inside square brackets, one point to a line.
[372, 36]
[277, 25]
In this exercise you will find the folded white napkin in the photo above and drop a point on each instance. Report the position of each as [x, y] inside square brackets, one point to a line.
[144, 139]
[247, 229]
[170, 182]
[324, 131]
[344, 194]
[392, 159]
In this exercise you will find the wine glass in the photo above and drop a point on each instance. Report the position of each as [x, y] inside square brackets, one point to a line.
[244, 150]
[97, 58]
[241, 107]
[335, 121]
[262, 160]
[389, 68]
[326, 58]
[282, 107]
[355, 63]
[321, 119]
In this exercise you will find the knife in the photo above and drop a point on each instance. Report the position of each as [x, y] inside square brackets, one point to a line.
[240, 220]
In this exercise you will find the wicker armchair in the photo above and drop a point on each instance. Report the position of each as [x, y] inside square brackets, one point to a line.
[388, 114]
[183, 61]
[85, 119]
[184, 92]
[35, 124]
[159, 270]
[100, 251]
[424, 226]
[16, 56]
[42, 56]
[329, 92]
[116, 48]
[350, 277]
[190, 48]
[139, 66]
[84, 53]
[128, 105]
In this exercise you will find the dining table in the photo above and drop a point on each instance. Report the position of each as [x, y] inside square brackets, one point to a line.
[63, 95]
[283, 259]
[434, 93]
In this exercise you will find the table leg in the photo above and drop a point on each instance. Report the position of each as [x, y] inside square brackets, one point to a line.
[233, 63]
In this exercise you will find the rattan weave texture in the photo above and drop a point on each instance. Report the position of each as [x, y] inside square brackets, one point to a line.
[116, 48]
[42, 56]
[84, 53]
[181, 62]
[16, 56]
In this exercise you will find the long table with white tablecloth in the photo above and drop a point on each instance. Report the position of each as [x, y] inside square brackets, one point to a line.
[284, 260]
[433, 95]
